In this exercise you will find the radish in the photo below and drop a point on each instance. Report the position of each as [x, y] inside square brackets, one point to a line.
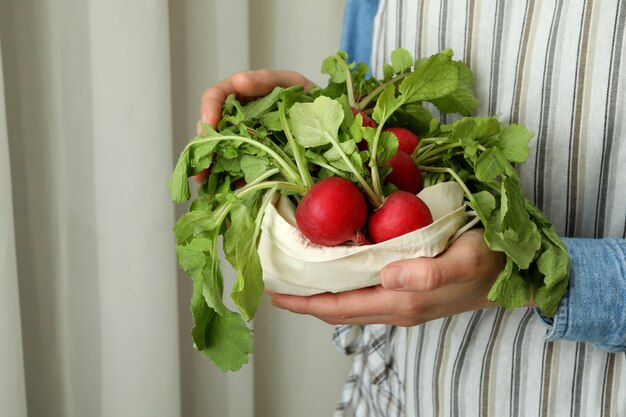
[202, 175]
[407, 140]
[401, 213]
[332, 212]
[367, 121]
[405, 174]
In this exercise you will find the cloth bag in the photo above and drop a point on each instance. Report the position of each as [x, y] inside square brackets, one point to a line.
[294, 265]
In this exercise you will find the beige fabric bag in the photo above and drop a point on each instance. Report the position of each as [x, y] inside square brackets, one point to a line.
[293, 265]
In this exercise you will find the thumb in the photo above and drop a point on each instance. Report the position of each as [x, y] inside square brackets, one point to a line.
[421, 274]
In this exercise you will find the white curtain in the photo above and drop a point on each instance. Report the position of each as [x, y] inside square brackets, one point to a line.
[12, 390]
[97, 98]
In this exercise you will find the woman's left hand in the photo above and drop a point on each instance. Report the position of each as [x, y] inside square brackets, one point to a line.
[413, 291]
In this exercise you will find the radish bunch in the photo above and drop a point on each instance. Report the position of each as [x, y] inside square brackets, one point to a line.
[334, 210]
[345, 157]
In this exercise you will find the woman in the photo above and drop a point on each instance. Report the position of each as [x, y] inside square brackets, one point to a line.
[430, 343]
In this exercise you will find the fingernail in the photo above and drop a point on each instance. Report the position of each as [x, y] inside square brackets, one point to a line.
[275, 303]
[204, 118]
[394, 277]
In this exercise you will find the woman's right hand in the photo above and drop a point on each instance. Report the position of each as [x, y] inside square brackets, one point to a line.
[247, 85]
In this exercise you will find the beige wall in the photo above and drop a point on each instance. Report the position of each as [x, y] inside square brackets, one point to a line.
[295, 35]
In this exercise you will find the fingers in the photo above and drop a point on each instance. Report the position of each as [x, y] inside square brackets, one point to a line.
[261, 82]
[373, 305]
[246, 85]
[341, 306]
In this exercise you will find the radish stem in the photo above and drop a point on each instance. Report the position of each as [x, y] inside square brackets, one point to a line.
[376, 182]
[349, 84]
[375, 198]
[454, 175]
[371, 96]
[287, 169]
[295, 148]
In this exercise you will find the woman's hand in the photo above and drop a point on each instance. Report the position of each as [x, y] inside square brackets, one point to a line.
[413, 291]
[246, 85]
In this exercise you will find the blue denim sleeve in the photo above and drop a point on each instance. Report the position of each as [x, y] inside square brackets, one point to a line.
[593, 308]
[358, 20]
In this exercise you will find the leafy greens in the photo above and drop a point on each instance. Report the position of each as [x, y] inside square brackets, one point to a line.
[287, 140]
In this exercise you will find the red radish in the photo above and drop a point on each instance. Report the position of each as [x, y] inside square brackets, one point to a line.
[367, 121]
[401, 213]
[407, 140]
[238, 183]
[405, 174]
[202, 175]
[332, 212]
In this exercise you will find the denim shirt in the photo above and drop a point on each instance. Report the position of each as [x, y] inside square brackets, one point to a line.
[593, 308]
[356, 37]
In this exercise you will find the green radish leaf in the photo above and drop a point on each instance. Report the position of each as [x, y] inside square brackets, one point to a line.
[513, 142]
[241, 218]
[213, 284]
[438, 77]
[178, 183]
[548, 299]
[192, 256]
[248, 289]
[233, 112]
[240, 248]
[253, 167]
[553, 263]
[510, 289]
[202, 315]
[196, 156]
[385, 104]
[513, 214]
[476, 127]
[388, 72]
[484, 204]
[401, 60]
[197, 260]
[333, 67]
[295, 94]
[271, 121]
[194, 223]
[416, 116]
[348, 147]
[461, 100]
[229, 341]
[387, 147]
[259, 108]
[317, 123]
[522, 251]
[348, 117]
[491, 164]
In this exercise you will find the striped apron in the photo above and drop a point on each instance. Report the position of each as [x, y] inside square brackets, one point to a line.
[558, 67]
